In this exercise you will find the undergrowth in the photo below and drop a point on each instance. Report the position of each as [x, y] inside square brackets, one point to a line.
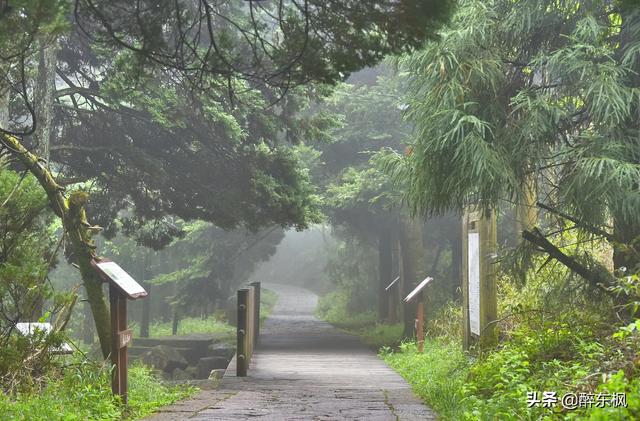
[268, 300]
[556, 335]
[334, 309]
[188, 325]
[82, 391]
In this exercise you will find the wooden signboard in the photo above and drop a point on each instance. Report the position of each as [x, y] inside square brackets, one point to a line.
[478, 277]
[417, 290]
[122, 287]
[392, 297]
[111, 272]
[125, 338]
[417, 293]
[394, 282]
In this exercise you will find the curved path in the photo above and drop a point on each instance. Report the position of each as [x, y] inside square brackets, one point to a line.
[305, 369]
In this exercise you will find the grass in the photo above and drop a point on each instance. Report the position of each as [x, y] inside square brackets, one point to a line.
[437, 376]
[334, 308]
[82, 391]
[188, 325]
[268, 300]
[214, 324]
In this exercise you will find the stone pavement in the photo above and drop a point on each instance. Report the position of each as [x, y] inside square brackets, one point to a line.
[305, 369]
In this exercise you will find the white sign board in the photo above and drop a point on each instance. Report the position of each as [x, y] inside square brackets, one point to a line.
[474, 281]
[122, 279]
[417, 290]
[392, 283]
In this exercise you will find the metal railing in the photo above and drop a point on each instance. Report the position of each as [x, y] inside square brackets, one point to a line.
[248, 326]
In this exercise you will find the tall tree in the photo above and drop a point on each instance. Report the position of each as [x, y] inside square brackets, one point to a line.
[529, 90]
[169, 54]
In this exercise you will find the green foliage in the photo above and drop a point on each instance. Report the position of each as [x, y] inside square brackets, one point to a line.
[380, 334]
[26, 255]
[617, 383]
[556, 335]
[82, 391]
[335, 308]
[437, 376]
[147, 394]
[513, 89]
[192, 325]
[268, 300]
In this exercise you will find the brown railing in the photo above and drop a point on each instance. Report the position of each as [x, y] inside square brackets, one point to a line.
[248, 326]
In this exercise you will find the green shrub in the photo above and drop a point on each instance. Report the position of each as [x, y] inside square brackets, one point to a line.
[381, 334]
[192, 325]
[437, 375]
[82, 391]
[334, 308]
[268, 300]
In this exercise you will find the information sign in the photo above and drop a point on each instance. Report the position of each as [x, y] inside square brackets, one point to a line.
[417, 290]
[124, 338]
[395, 281]
[120, 278]
[474, 282]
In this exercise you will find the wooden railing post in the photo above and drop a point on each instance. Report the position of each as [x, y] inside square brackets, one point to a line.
[241, 345]
[249, 337]
[256, 313]
[248, 326]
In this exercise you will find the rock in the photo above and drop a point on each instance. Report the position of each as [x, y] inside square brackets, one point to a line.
[180, 374]
[205, 365]
[217, 373]
[193, 371]
[221, 350]
[164, 358]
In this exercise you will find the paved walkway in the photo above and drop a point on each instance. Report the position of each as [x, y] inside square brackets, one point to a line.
[305, 370]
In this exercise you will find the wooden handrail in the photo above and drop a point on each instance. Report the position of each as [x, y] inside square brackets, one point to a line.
[248, 326]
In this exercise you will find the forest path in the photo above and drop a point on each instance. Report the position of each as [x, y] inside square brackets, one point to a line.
[305, 369]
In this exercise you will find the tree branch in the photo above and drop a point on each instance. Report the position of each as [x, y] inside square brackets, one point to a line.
[579, 223]
[595, 278]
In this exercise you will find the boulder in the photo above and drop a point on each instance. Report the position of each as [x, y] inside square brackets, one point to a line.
[205, 365]
[217, 373]
[222, 350]
[180, 374]
[193, 371]
[164, 358]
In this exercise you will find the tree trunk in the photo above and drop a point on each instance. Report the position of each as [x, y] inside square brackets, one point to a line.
[43, 98]
[72, 214]
[456, 263]
[4, 107]
[43, 93]
[87, 324]
[84, 251]
[145, 318]
[385, 275]
[174, 324]
[413, 261]
[526, 217]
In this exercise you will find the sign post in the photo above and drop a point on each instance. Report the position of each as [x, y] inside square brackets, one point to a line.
[392, 296]
[417, 293]
[479, 278]
[122, 287]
